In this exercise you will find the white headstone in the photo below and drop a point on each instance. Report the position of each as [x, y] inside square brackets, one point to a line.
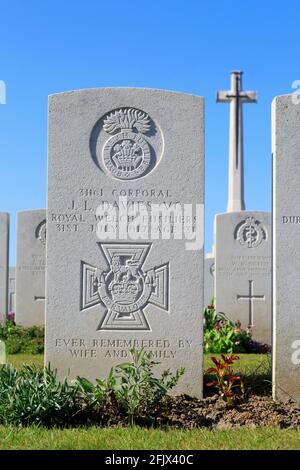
[209, 279]
[105, 293]
[30, 267]
[243, 270]
[4, 246]
[2, 352]
[286, 247]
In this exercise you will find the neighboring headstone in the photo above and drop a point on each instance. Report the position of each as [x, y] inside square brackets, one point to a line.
[106, 294]
[286, 247]
[12, 290]
[2, 352]
[209, 279]
[243, 270]
[4, 247]
[30, 267]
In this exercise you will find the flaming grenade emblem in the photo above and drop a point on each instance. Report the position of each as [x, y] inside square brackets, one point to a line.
[127, 154]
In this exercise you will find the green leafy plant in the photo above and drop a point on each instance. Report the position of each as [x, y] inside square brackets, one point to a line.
[222, 335]
[92, 395]
[7, 328]
[137, 388]
[228, 384]
[22, 340]
[131, 385]
[33, 396]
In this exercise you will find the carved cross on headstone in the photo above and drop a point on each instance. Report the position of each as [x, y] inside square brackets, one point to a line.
[251, 297]
[236, 97]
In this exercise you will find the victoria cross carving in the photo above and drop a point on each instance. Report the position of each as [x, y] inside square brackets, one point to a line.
[127, 154]
[124, 288]
[250, 233]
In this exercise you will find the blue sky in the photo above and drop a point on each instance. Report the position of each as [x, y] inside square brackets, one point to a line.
[189, 46]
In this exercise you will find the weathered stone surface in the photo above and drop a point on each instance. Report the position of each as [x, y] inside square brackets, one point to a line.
[286, 247]
[209, 279]
[4, 247]
[106, 294]
[30, 267]
[12, 289]
[243, 270]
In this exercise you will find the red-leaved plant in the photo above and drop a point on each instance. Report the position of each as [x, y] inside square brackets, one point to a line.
[228, 384]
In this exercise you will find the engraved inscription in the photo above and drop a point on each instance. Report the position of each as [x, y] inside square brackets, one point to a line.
[79, 215]
[120, 347]
[290, 219]
[36, 264]
[125, 289]
[250, 233]
[244, 265]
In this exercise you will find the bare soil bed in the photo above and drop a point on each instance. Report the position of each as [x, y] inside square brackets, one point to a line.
[211, 412]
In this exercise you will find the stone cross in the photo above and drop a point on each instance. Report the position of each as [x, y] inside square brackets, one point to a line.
[250, 297]
[12, 289]
[236, 97]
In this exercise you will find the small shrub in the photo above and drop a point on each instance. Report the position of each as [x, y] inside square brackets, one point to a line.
[137, 388]
[22, 340]
[7, 328]
[14, 345]
[225, 380]
[222, 335]
[131, 385]
[33, 396]
[92, 395]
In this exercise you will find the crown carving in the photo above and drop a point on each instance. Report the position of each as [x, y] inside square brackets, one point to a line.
[124, 291]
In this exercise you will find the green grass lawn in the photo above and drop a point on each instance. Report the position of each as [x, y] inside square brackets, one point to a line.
[17, 360]
[248, 363]
[138, 438]
[255, 368]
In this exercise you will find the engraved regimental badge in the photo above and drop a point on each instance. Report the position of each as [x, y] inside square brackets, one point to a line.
[250, 233]
[125, 289]
[40, 232]
[127, 154]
